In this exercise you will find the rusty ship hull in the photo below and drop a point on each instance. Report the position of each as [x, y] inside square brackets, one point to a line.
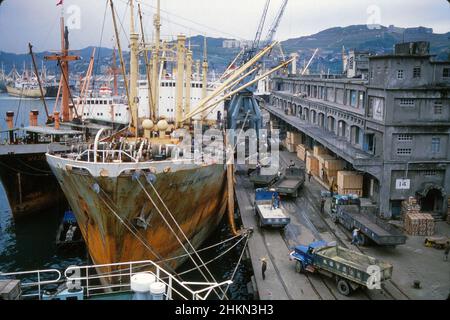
[196, 196]
[29, 183]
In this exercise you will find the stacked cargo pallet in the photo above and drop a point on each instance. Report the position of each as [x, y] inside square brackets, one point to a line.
[349, 182]
[419, 224]
[301, 152]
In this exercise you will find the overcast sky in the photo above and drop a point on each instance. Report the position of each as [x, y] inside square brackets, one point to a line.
[37, 21]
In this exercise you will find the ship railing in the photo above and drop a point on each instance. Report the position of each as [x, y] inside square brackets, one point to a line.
[106, 156]
[98, 283]
[40, 279]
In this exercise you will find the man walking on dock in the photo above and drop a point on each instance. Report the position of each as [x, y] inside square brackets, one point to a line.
[263, 268]
[309, 176]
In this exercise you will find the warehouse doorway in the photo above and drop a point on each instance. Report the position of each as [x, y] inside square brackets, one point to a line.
[432, 202]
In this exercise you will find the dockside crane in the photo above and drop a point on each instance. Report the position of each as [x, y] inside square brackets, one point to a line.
[243, 111]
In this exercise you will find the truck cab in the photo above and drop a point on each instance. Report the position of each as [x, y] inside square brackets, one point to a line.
[344, 200]
[304, 255]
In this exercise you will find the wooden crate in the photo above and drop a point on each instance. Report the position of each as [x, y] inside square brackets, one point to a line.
[317, 151]
[419, 224]
[334, 164]
[322, 159]
[301, 152]
[349, 180]
[312, 165]
[294, 138]
[350, 191]
[290, 147]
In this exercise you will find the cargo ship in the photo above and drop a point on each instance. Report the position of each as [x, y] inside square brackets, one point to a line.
[25, 89]
[148, 192]
[135, 198]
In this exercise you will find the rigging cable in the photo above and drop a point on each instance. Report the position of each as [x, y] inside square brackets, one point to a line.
[175, 234]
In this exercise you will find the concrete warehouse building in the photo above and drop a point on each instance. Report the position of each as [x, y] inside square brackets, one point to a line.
[393, 126]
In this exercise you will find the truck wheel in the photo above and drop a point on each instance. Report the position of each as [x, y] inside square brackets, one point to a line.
[298, 267]
[344, 287]
[260, 224]
[364, 240]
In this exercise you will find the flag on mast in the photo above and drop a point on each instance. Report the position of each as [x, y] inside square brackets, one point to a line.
[60, 2]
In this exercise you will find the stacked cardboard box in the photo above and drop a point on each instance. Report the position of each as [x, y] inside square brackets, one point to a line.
[312, 165]
[349, 182]
[301, 152]
[419, 224]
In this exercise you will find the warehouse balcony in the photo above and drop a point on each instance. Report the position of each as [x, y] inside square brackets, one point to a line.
[339, 145]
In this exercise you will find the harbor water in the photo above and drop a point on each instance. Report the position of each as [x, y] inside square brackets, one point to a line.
[29, 243]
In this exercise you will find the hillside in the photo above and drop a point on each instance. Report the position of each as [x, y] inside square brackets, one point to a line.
[330, 43]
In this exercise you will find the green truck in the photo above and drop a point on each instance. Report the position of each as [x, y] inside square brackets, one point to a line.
[351, 270]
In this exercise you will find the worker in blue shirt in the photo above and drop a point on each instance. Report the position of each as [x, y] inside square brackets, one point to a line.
[355, 236]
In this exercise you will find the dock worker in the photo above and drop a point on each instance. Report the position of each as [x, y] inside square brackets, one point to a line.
[263, 267]
[309, 176]
[355, 236]
[258, 168]
[322, 204]
[446, 250]
[291, 164]
[275, 201]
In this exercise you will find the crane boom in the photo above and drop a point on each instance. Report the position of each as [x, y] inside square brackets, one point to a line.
[273, 29]
[255, 45]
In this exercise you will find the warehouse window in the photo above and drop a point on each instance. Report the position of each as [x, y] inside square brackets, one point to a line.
[407, 102]
[416, 72]
[400, 74]
[437, 107]
[404, 137]
[404, 151]
[446, 73]
[435, 145]
[430, 173]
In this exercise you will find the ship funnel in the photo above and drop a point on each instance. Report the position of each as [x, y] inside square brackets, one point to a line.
[141, 284]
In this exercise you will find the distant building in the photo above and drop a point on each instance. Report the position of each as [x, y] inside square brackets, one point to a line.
[393, 127]
[233, 44]
[356, 64]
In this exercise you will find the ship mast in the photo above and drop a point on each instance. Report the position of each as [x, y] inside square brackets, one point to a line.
[155, 61]
[180, 79]
[205, 73]
[63, 59]
[134, 71]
